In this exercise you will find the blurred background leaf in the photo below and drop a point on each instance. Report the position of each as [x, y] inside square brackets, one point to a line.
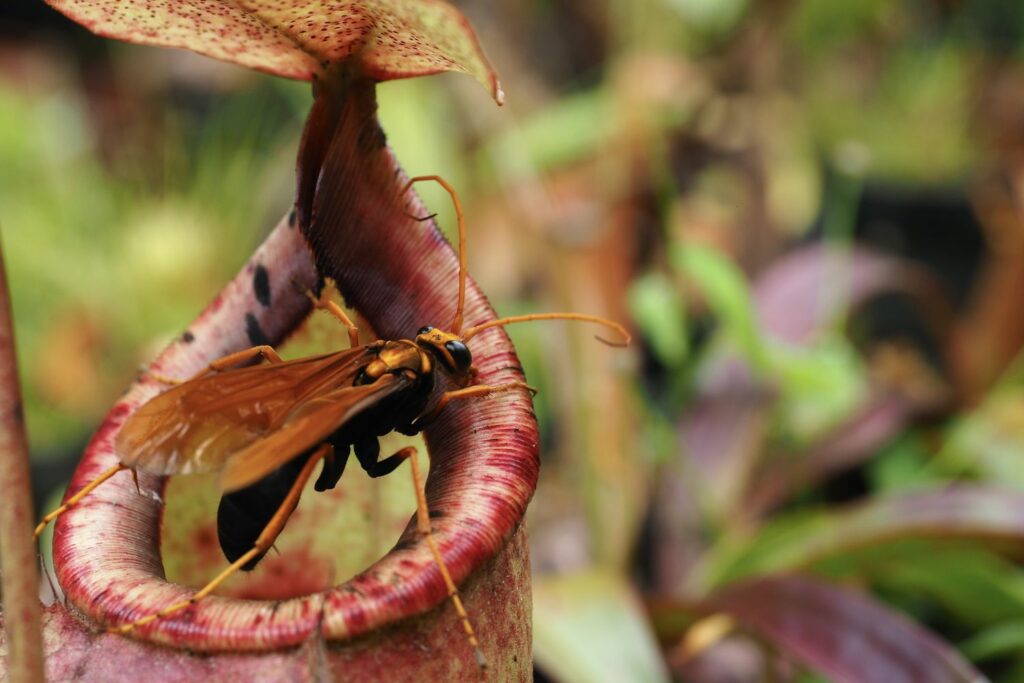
[809, 213]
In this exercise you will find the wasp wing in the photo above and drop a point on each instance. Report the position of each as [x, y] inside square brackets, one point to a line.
[198, 425]
[309, 425]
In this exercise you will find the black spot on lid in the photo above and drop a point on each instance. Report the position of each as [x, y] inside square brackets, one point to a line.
[253, 330]
[188, 337]
[261, 284]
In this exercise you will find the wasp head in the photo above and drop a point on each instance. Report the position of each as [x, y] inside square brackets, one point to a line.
[449, 350]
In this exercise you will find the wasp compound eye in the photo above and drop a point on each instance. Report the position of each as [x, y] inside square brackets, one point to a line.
[425, 329]
[459, 353]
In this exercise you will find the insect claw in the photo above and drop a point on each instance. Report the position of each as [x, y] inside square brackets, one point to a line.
[162, 379]
[304, 290]
[318, 301]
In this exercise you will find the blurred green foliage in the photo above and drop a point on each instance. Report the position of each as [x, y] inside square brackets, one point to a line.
[652, 162]
[121, 254]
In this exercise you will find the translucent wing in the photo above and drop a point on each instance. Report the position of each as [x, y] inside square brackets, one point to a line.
[310, 424]
[198, 425]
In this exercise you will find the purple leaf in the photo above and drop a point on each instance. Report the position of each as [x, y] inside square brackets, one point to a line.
[807, 290]
[842, 634]
[796, 299]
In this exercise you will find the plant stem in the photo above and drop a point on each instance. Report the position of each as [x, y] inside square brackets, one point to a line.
[19, 574]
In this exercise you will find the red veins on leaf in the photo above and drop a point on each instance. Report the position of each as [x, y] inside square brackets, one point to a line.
[388, 39]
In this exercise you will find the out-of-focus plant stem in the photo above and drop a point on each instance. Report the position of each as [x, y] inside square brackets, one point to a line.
[21, 613]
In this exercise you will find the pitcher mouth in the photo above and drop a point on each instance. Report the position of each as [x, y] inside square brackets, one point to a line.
[397, 271]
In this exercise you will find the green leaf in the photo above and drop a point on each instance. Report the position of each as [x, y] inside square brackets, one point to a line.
[541, 143]
[981, 513]
[977, 586]
[712, 16]
[659, 312]
[591, 628]
[988, 441]
[1006, 639]
[821, 385]
[725, 290]
[903, 466]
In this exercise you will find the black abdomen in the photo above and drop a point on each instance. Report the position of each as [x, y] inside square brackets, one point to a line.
[242, 515]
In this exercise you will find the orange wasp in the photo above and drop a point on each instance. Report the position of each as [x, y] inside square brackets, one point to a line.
[265, 428]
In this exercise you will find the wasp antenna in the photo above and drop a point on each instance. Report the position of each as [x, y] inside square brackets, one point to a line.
[421, 219]
[457, 322]
[501, 322]
[617, 344]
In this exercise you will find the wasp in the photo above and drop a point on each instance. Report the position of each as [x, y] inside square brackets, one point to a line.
[266, 427]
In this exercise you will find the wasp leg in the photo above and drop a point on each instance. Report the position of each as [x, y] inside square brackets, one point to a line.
[334, 467]
[263, 352]
[469, 392]
[367, 452]
[262, 545]
[163, 379]
[75, 499]
[423, 526]
[323, 303]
